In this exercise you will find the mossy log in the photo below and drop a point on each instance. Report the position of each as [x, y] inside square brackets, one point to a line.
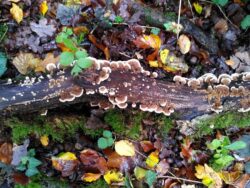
[126, 84]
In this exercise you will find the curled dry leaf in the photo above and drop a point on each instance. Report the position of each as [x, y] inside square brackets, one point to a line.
[65, 163]
[125, 148]
[147, 145]
[16, 12]
[184, 44]
[25, 61]
[115, 160]
[6, 153]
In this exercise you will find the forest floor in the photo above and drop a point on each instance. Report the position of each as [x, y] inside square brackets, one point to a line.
[81, 146]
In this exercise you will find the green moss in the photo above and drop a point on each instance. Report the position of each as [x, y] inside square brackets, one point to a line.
[116, 120]
[134, 131]
[58, 128]
[98, 184]
[165, 124]
[208, 125]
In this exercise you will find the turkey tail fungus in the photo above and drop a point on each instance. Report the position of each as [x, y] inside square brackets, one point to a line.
[125, 84]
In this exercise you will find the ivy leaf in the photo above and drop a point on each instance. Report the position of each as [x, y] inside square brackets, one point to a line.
[245, 23]
[31, 172]
[16, 12]
[236, 145]
[33, 162]
[150, 177]
[66, 58]
[220, 2]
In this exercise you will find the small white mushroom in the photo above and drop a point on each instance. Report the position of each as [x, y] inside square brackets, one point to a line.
[121, 99]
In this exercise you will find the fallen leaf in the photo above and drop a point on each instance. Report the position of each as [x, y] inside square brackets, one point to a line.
[115, 160]
[44, 140]
[93, 162]
[209, 177]
[49, 59]
[243, 181]
[102, 47]
[197, 7]
[43, 29]
[184, 44]
[19, 152]
[125, 148]
[3, 63]
[43, 7]
[230, 177]
[139, 172]
[162, 167]
[6, 153]
[113, 176]
[90, 177]
[65, 14]
[25, 62]
[65, 163]
[147, 145]
[20, 178]
[153, 159]
[186, 150]
[16, 12]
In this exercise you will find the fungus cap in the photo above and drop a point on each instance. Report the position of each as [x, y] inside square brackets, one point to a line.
[121, 99]
[76, 91]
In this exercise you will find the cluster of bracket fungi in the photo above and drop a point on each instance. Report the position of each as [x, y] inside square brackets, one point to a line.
[127, 83]
[221, 87]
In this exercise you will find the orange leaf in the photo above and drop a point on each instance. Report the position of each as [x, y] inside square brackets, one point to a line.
[6, 153]
[153, 159]
[43, 8]
[186, 149]
[115, 160]
[147, 145]
[148, 41]
[105, 49]
[90, 177]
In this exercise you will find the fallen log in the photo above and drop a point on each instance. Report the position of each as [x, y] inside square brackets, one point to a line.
[126, 84]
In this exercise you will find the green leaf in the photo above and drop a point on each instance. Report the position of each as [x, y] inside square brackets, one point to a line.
[69, 31]
[102, 143]
[214, 144]
[118, 19]
[31, 153]
[236, 145]
[81, 54]
[155, 31]
[224, 161]
[24, 160]
[84, 63]
[107, 134]
[245, 23]
[197, 7]
[139, 173]
[33, 162]
[225, 141]
[69, 44]
[220, 2]
[66, 58]
[110, 141]
[21, 167]
[31, 172]
[76, 70]
[150, 177]
[61, 37]
[3, 63]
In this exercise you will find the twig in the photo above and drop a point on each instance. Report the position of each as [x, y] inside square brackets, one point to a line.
[4, 35]
[177, 178]
[179, 18]
[190, 6]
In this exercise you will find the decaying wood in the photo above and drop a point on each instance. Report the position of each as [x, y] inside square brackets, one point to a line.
[125, 84]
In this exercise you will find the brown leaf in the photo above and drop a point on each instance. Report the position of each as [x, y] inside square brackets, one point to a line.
[243, 181]
[186, 150]
[105, 49]
[6, 153]
[162, 167]
[49, 59]
[20, 178]
[147, 145]
[93, 162]
[115, 160]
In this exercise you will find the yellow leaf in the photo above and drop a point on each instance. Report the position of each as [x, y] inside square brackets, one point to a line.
[164, 55]
[90, 177]
[67, 156]
[124, 148]
[113, 176]
[153, 64]
[184, 44]
[153, 159]
[197, 7]
[209, 177]
[43, 7]
[44, 140]
[229, 177]
[16, 12]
